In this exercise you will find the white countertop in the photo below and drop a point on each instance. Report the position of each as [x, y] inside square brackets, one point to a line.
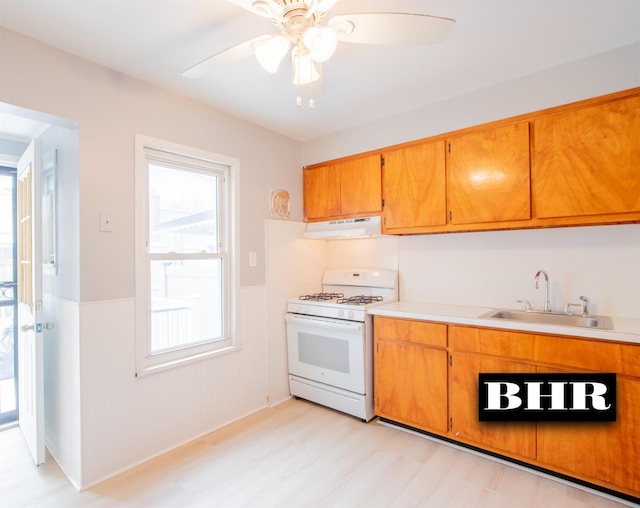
[624, 329]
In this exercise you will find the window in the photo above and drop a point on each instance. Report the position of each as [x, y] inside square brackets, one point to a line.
[184, 253]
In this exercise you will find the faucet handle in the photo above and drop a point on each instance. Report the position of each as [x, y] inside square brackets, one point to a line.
[585, 306]
[527, 305]
[567, 308]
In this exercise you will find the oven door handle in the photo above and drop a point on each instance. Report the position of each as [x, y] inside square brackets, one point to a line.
[326, 323]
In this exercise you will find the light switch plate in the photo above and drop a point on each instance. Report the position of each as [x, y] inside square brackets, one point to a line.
[106, 223]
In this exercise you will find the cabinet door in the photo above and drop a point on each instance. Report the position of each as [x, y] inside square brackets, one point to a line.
[321, 188]
[513, 437]
[413, 180]
[411, 384]
[586, 161]
[361, 186]
[607, 451]
[489, 175]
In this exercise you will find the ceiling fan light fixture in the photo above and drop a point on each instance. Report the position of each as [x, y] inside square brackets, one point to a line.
[304, 68]
[268, 9]
[321, 42]
[325, 5]
[271, 52]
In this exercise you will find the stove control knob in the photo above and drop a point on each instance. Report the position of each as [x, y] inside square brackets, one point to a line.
[304, 309]
[340, 313]
[351, 314]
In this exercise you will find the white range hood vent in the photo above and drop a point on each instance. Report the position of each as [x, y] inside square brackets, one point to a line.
[340, 229]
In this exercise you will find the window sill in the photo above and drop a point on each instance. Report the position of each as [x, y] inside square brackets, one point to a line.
[170, 364]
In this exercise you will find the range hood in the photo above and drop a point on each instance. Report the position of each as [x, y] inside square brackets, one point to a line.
[339, 229]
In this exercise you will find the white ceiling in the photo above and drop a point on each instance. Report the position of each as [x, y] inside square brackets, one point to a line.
[493, 41]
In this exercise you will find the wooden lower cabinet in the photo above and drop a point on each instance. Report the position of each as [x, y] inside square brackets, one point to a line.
[426, 376]
[514, 438]
[411, 374]
[606, 451]
[412, 384]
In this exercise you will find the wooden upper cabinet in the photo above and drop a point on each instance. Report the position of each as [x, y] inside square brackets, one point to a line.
[321, 191]
[413, 179]
[361, 185]
[587, 161]
[352, 187]
[488, 175]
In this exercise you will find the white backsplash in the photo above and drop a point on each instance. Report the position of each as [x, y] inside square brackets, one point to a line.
[494, 269]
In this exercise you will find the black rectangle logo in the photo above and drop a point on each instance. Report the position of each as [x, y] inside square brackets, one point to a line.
[574, 397]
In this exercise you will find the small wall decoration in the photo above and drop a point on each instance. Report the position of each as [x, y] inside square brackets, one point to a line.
[280, 204]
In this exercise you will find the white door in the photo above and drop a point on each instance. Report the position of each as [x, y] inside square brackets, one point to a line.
[30, 346]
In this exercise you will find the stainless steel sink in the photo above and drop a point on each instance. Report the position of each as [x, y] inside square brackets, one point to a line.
[551, 318]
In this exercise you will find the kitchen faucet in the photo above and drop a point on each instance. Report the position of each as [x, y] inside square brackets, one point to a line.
[547, 303]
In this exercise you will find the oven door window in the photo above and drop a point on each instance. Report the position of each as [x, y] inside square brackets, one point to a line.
[331, 355]
[323, 352]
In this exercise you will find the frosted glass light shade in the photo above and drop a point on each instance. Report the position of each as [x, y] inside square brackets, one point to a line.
[271, 52]
[321, 42]
[304, 68]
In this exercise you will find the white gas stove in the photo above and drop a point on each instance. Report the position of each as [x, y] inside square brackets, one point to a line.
[330, 339]
[347, 294]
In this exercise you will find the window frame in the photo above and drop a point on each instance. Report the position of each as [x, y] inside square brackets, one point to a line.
[148, 150]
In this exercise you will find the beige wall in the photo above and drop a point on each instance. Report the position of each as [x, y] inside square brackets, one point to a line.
[101, 418]
[110, 109]
[494, 269]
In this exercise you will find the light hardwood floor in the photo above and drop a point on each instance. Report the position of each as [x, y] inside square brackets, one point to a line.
[295, 455]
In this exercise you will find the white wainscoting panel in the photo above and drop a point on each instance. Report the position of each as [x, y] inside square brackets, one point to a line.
[62, 386]
[128, 420]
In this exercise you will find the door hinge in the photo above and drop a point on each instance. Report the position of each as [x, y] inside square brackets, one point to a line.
[450, 215]
[38, 304]
[450, 423]
[451, 360]
[377, 348]
[449, 147]
[382, 161]
[382, 202]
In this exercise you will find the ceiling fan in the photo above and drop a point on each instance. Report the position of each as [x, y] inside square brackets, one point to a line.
[301, 27]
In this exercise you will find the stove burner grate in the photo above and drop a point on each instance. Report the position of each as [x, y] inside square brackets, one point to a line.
[359, 300]
[319, 297]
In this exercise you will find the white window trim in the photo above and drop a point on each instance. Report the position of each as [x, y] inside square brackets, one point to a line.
[145, 363]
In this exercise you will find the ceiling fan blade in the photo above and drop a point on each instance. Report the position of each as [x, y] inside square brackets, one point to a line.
[391, 28]
[223, 58]
[245, 4]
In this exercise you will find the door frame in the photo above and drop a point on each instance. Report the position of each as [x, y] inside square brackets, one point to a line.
[11, 417]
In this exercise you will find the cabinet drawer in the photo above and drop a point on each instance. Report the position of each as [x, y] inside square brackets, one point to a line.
[586, 354]
[492, 342]
[565, 352]
[407, 330]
